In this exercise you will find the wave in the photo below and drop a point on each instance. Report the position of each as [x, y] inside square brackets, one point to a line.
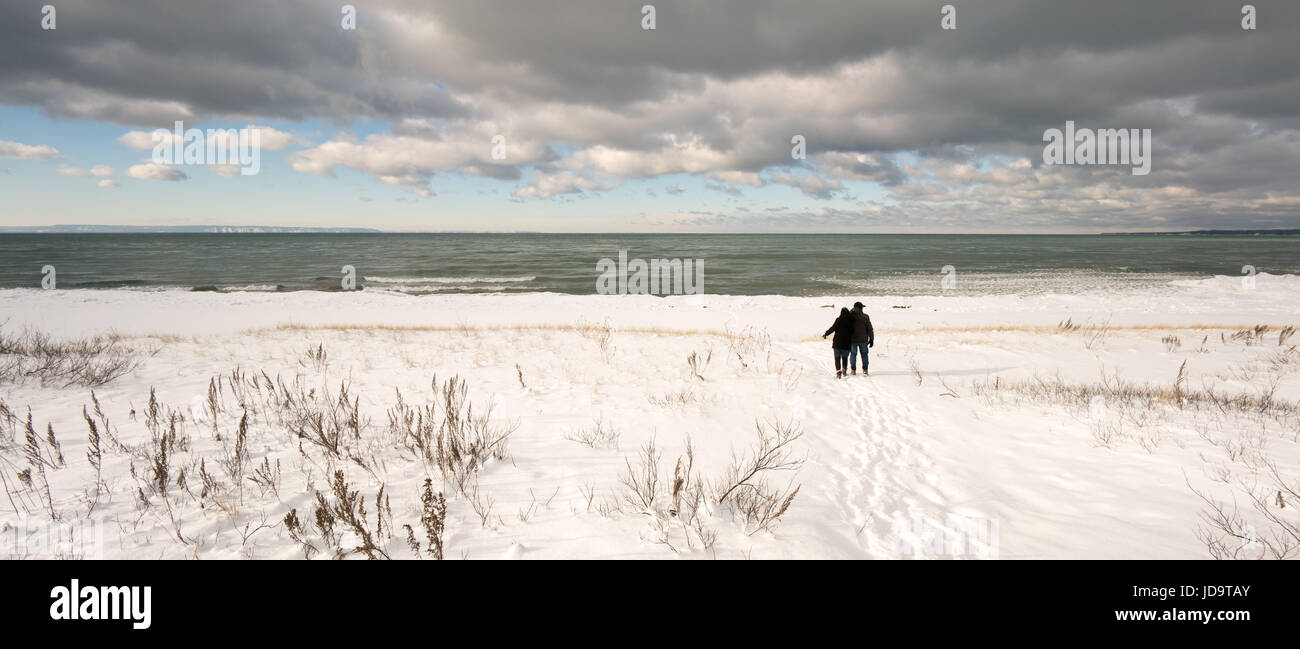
[107, 283]
[142, 288]
[252, 288]
[1026, 283]
[425, 289]
[1238, 281]
[451, 280]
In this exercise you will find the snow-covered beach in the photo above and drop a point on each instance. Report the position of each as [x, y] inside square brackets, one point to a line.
[1056, 426]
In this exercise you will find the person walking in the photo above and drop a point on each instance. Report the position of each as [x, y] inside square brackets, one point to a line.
[840, 344]
[863, 336]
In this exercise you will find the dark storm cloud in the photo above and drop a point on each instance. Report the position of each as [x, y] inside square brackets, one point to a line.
[290, 58]
[143, 62]
[718, 86]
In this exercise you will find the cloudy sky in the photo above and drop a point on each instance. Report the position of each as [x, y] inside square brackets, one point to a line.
[608, 126]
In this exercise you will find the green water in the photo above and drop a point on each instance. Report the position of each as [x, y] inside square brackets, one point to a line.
[734, 264]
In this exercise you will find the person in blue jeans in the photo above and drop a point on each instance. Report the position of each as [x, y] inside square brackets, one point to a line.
[843, 330]
[863, 336]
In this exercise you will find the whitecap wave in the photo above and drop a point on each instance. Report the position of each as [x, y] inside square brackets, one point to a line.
[250, 288]
[1028, 283]
[426, 289]
[451, 280]
[1238, 281]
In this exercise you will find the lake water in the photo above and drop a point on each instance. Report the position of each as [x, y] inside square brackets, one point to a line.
[764, 264]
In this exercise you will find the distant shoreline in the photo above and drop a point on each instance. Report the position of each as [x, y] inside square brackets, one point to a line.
[170, 229]
[262, 229]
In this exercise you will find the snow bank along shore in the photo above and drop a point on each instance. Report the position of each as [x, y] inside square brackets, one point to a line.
[283, 425]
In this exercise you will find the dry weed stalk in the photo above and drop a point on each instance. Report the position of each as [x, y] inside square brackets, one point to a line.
[744, 486]
[601, 434]
[448, 435]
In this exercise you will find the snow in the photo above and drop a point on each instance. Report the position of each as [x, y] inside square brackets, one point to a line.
[915, 447]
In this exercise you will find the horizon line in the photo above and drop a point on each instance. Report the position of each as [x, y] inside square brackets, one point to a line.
[299, 229]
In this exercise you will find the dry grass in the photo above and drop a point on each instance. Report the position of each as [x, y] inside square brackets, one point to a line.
[480, 329]
[744, 485]
[1228, 533]
[681, 505]
[1250, 423]
[88, 362]
[1115, 390]
[603, 335]
[749, 346]
[1068, 326]
[678, 505]
[197, 504]
[447, 434]
[600, 434]
[699, 363]
[675, 398]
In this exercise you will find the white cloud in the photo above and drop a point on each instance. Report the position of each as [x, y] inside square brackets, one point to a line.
[691, 156]
[153, 171]
[408, 160]
[276, 140]
[814, 186]
[738, 178]
[565, 182]
[107, 184]
[27, 151]
[144, 140]
[75, 172]
[101, 171]
[269, 138]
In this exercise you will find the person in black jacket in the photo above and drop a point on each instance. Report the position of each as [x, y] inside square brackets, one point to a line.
[864, 336]
[843, 330]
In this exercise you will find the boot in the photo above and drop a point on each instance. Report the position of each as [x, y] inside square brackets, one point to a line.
[839, 374]
[855, 372]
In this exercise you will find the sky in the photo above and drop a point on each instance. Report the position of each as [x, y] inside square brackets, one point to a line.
[568, 116]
